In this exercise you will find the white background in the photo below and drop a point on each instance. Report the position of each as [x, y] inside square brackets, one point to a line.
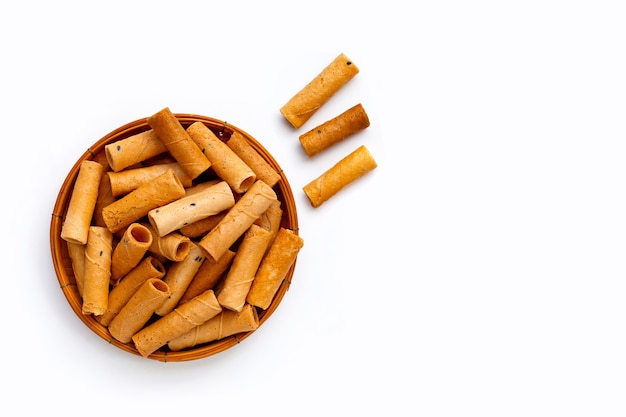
[478, 271]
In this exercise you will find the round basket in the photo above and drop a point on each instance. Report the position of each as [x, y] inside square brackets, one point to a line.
[63, 265]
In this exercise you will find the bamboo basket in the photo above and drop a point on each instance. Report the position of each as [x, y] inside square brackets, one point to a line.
[63, 265]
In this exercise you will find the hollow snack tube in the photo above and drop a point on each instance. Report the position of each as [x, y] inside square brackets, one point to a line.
[133, 206]
[178, 277]
[98, 250]
[226, 323]
[76, 252]
[235, 286]
[178, 143]
[191, 208]
[224, 161]
[134, 149]
[181, 320]
[319, 90]
[82, 203]
[334, 130]
[238, 219]
[123, 182]
[139, 309]
[173, 246]
[274, 267]
[344, 172]
[263, 170]
[149, 267]
[129, 251]
[208, 275]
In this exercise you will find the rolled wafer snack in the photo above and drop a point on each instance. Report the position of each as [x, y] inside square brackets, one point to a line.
[173, 246]
[234, 289]
[157, 192]
[181, 320]
[134, 149]
[225, 324]
[334, 130]
[224, 161]
[208, 275]
[274, 267]
[262, 169]
[178, 277]
[123, 182]
[82, 203]
[139, 309]
[150, 267]
[105, 197]
[98, 250]
[129, 251]
[178, 143]
[238, 219]
[344, 172]
[76, 252]
[319, 90]
[271, 218]
[191, 208]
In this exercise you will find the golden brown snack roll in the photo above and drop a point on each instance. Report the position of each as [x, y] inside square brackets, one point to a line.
[225, 324]
[139, 309]
[319, 90]
[82, 203]
[133, 206]
[97, 276]
[334, 130]
[178, 143]
[274, 267]
[224, 161]
[178, 322]
[130, 250]
[344, 172]
[119, 295]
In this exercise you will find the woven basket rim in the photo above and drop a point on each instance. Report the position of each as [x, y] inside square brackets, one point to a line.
[65, 275]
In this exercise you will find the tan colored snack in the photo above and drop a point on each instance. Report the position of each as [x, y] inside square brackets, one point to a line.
[129, 251]
[139, 309]
[105, 197]
[344, 172]
[173, 246]
[82, 203]
[134, 149]
[234, 289]
[98, 250]
[178, 277]
[238, 219]
[274, 267]
[150, 267]
[133, 206]
[271, 218]
[191, 208]
[208, 275]
[202, 227]
[334, 130]
[178, 143]
[263, 170]
[225, 324]
[224, 161]
[181, 320]
[123, 182]
[76, 252]
[319, 90]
